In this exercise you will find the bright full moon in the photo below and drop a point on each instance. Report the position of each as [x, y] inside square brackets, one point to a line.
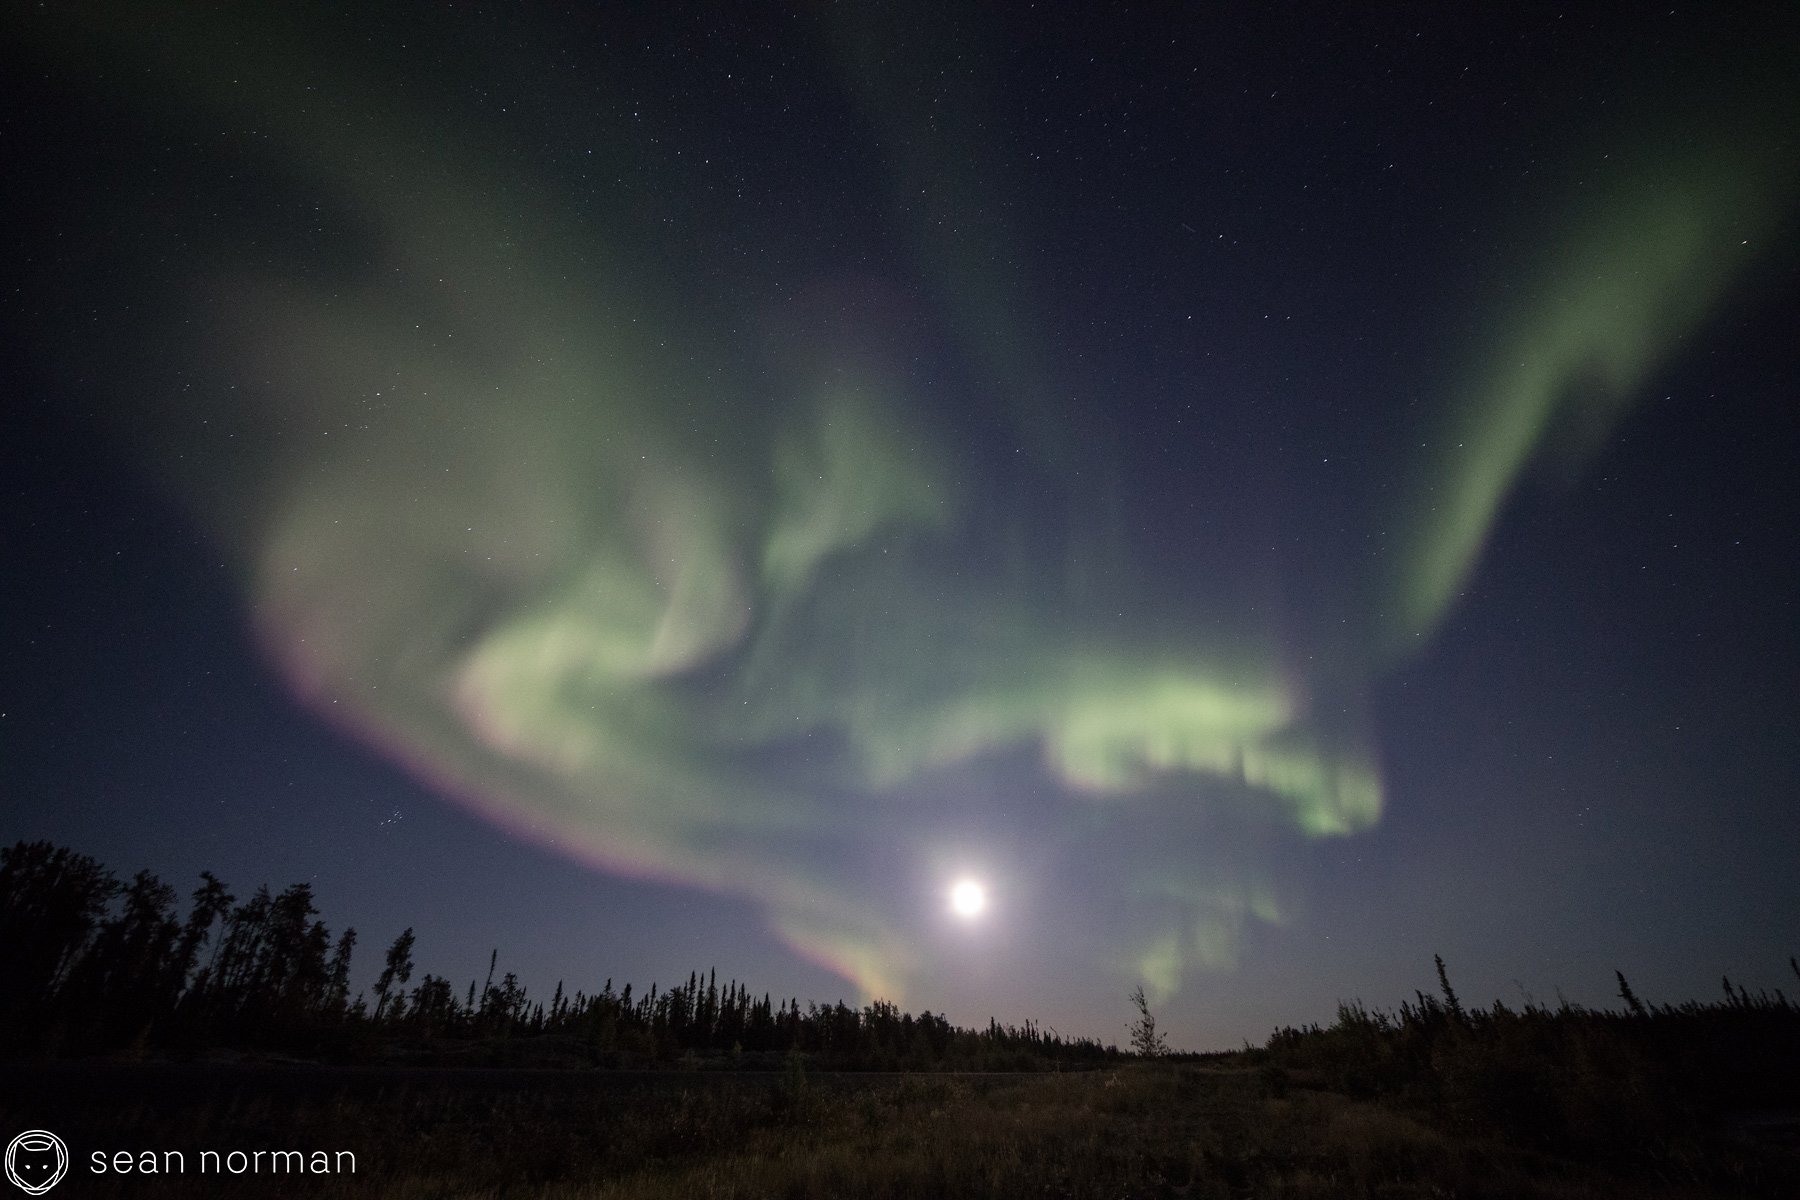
[968, 898]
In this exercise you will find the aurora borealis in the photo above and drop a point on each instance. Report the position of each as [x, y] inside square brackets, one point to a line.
[801, 460]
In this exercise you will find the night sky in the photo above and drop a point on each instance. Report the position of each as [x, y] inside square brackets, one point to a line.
[1269, 494]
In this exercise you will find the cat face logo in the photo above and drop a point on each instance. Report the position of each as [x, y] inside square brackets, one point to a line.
[36, 1161]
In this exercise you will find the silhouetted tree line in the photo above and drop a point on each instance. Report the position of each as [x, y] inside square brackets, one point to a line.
[1571, 1078]
[96, 966]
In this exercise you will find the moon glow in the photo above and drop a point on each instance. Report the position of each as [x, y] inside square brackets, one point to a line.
[968, 899]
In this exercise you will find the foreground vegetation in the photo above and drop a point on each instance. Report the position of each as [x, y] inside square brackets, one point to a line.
[1630, 1087]
[1209, 1130]
[175, 1027]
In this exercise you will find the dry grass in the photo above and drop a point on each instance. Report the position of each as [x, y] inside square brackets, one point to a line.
[1152, 1131]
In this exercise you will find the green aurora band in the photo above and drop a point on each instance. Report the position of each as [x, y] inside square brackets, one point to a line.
[1628, 282]
[718, 607]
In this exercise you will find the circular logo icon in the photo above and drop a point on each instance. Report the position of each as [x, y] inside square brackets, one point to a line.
[36, 1160]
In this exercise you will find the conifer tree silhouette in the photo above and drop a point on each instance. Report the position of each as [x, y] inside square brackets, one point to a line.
[1145, 1041]
[398, 969]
